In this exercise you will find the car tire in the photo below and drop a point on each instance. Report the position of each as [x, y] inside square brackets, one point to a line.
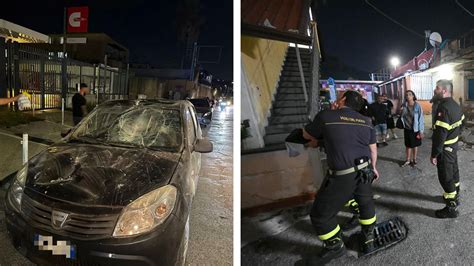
[183, 248]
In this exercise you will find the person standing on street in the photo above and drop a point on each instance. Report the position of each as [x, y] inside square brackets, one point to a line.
[364, 110]
[414, 127]
[447, 128]
[378, 112]
[79, 104]
[5, 101]
[390, 121]
[350, 143]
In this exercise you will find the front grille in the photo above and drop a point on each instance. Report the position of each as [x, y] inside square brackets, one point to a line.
[78, 226]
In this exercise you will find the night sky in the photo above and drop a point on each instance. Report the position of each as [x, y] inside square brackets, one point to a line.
[146, 28]
[360, 37]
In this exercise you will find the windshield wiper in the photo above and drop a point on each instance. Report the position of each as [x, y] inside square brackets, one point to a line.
[123, 145]
[153, 148]
[162, 148]
[87, 139]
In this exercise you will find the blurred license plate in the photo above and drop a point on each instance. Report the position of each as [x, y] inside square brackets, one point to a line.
[60, 248]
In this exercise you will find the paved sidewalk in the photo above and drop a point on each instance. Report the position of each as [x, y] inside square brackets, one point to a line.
[286, 237]
[48, 130]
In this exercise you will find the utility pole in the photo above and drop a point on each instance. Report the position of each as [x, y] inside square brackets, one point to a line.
[64, 32]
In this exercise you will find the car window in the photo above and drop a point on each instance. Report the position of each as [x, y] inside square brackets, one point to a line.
[151, 126]
[191, 130]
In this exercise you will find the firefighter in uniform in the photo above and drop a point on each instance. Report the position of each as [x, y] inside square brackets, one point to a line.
[350, 143]
[446, 131]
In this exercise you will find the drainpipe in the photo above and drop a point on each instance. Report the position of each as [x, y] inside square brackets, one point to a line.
[301, 73]
[313, 107]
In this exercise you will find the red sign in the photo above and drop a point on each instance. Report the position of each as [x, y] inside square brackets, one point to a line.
[423, 61]
[77, 19]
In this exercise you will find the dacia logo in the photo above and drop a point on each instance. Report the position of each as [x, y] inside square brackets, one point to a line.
[59, 219]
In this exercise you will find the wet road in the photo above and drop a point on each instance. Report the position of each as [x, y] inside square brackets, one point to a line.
[211, 221]
[210, 241]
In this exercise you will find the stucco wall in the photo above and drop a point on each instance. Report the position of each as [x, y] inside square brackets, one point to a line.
[459, 86]
[273, 176]
[262, 62]
[155, 88]
[151, 87]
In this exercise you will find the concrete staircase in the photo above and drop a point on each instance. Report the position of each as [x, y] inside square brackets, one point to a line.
[289, 109]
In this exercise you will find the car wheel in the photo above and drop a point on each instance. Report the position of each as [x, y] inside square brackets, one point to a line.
[183, 249]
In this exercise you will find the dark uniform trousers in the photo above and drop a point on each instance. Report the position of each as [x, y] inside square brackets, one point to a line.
[335, 192]
[448, 171]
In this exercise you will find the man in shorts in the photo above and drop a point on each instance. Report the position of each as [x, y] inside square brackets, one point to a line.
[378, 113]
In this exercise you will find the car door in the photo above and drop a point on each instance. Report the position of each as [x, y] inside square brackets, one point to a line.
[192, 135]
[197, 130]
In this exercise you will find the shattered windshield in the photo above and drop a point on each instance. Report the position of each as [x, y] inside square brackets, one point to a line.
[150, 126]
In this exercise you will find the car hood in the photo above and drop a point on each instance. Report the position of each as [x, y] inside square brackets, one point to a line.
[99, 175]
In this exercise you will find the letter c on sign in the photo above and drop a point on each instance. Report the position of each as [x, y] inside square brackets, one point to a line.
[75, 19]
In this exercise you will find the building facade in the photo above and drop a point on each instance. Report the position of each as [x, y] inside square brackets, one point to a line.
[452, 60]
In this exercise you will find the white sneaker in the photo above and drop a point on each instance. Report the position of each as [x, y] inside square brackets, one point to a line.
[387, 137]
[405, 164]
[395, 136]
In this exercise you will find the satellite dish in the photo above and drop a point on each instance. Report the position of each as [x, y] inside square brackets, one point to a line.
[435, 39]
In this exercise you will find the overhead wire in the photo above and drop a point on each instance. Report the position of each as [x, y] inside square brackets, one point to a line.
[394, 21]
[465, 9]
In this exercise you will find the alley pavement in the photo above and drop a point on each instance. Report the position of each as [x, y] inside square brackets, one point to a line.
[286, 237]
[210, 241]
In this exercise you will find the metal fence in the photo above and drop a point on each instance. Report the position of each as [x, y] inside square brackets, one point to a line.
[49, 78]
[467, 40]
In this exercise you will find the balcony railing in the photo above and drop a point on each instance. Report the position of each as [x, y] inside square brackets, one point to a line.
[467, 40]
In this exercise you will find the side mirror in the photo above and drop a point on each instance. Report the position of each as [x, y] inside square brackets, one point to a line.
[65, 132]
[203, 146]
[207, 118]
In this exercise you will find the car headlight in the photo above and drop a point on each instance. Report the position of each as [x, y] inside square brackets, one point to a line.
[146, 212]
[16, 189]
[208, 114]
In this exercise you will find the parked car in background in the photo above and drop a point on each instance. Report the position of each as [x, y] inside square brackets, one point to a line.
[117, 190]
[225, 103]
[204, 110]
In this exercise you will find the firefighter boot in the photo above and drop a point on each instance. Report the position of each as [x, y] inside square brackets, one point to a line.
[458, 202]
[333, 248]
[368, 238]
[352, 223]
[450, 211]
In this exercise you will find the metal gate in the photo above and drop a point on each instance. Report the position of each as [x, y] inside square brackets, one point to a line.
[49, 78]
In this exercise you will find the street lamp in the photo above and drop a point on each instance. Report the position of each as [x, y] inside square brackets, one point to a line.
[395, 62]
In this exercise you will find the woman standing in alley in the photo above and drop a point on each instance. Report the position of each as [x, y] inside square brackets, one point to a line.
[413, 123]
